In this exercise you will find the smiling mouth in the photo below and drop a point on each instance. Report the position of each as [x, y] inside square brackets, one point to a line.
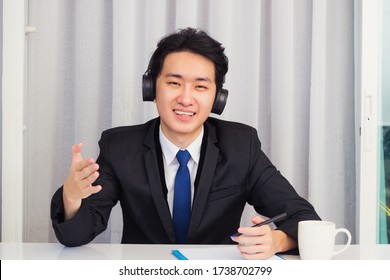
[181, 113]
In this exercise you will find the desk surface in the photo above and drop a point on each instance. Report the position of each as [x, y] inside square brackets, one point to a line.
[54, 251]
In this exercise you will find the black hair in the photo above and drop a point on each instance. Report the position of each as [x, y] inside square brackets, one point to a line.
[195, 41]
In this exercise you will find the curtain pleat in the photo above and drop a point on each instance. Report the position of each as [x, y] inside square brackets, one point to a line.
[290, 76]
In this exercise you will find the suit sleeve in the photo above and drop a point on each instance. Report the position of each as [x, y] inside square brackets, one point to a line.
[271, 194]
[77, 231]
[93, 215]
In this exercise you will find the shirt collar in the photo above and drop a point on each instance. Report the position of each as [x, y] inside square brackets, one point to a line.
[170, 150]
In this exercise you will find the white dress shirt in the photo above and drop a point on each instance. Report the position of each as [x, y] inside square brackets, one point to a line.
[171, 164]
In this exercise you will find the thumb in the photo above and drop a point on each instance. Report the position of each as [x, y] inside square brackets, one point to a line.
[96, 189]
[76, 153]
[257, 220]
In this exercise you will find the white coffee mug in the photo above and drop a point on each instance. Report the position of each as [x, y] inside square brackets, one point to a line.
[316, 240]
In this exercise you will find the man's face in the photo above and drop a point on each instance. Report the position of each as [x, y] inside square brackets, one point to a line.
[185, 93]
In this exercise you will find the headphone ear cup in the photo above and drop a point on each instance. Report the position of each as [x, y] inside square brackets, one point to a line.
[148, 93]
[220, 101]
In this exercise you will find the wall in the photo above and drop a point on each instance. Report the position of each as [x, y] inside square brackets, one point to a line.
[1, 106]
[385, 63]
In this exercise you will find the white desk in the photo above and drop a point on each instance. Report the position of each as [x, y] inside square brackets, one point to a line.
[110, 261]
[54, 251]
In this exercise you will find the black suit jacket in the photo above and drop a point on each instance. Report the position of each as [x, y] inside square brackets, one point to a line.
[233, 170]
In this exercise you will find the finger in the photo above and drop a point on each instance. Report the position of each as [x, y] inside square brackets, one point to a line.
[83, 164]
[259, 231]
[254, 249]
[253, 240]
[252, 252]
[255, 252]
[96, 189]
[79, 181]
[85, 183]
[76, 152]
[87, 189]
[257, 220]
[252, 231]
[88, 170]
[91, 190]
[257, 256]
[92, 178]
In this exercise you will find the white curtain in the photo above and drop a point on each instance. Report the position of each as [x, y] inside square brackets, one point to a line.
[291, 76]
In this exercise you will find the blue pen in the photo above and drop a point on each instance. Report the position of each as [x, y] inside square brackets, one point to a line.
[266, 222]
[179, 255]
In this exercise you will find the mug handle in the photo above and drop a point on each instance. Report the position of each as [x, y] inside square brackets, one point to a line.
[348, 242]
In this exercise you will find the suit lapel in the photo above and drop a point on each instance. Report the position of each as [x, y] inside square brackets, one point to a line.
[204, 185]
[155, 185]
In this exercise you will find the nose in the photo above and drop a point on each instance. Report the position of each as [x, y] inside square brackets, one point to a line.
[185, 97]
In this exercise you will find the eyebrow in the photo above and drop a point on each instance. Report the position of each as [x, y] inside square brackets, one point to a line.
[200, 79]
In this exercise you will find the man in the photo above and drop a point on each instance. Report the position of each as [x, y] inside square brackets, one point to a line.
[137, 166]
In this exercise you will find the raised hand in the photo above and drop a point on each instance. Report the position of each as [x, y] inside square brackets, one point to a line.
[78, 185]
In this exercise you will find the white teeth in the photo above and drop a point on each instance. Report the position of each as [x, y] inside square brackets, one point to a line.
[184, 113]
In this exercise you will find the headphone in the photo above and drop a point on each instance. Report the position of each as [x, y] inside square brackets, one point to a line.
[149, 93]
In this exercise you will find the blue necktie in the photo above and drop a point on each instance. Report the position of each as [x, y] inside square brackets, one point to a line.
[182, 197]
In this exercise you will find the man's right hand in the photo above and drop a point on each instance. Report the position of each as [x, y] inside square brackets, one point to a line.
[78, 185]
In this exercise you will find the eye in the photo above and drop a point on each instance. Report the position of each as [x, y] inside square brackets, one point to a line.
[173, 83]
[201, 87]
